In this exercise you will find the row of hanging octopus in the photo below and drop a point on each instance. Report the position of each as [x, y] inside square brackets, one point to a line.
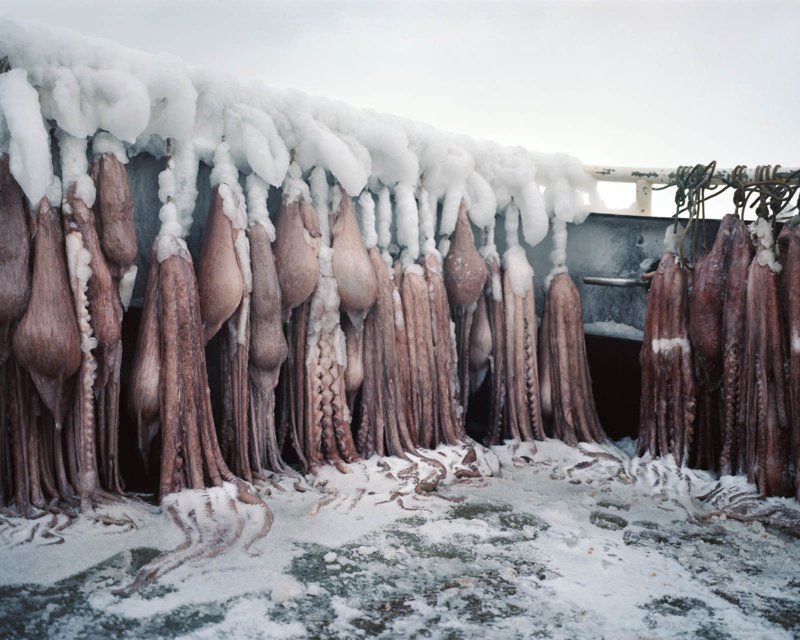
[721, 357]
[331, 351]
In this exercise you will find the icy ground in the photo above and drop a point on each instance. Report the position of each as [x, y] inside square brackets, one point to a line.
[558, 543]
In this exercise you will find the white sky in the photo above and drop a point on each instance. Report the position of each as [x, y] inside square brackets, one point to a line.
[645, 83]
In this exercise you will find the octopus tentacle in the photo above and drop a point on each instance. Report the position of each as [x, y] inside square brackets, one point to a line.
[572, 404]
[447, 409]
[524, 404]
[145, 375]
[494, 295]
[533, 429]
[424, 392]
[386, 412]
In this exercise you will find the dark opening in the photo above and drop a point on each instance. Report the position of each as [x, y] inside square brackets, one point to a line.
[616, 383]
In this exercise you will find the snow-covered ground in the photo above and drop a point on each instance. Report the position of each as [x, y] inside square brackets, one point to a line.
[560, 542]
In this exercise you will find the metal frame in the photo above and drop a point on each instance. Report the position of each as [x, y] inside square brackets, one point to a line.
[644, 179]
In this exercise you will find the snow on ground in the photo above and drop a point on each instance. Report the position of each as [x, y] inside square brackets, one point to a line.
[558, 542]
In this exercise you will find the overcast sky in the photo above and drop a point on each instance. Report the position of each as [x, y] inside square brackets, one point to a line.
[646, 83]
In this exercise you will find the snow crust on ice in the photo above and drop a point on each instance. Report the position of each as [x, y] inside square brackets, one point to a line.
[553, 541]
[80, 271]
[54, 192]
[366, 209]
[87, 86]
[488, 248]
[75, 168]
[668, 344]
[294, 187]
[257, 213]
[407, 215]
[174, 225]
[126, 284]
[613, 329]
[104, 143]
[672, 238]
[558, 256]
[427, 223]
[761, 231]
[23, 135]
[383, 219]
[519, 270]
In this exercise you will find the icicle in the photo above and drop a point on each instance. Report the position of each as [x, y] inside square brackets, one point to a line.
[321, 195]
[407, 223]
[366, 205]
[558, 255]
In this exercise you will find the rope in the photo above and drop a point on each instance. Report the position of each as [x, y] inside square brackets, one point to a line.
[769, 194]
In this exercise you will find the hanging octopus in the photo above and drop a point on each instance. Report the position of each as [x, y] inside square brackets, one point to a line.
[46, 355]
[114, 212]
[327, 418]
[328, 436]
[739, 256]
[171, 359]
[15, 249]
[523, 402]
[423, 390]
[448, 422]
[384, 427]
[493, 354]
[295, 251]
[566, 389]
[15, 285]
[357, 286]
[103, 309]
[706, 308]
[464, 276]
[268, 348]
[667, 410]
[145, 383]
[225, 283]
[789, 240]
[765, 398]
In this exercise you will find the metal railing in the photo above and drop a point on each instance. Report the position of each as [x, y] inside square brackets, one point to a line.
[644, 179]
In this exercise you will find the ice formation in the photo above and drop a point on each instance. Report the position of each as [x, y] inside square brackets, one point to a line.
[131, 101]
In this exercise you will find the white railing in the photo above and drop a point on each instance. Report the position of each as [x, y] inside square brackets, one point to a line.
[644, 179]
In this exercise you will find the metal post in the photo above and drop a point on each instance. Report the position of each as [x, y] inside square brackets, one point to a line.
[644, 197]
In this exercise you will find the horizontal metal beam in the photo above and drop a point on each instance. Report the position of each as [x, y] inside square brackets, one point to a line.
[664, 176]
